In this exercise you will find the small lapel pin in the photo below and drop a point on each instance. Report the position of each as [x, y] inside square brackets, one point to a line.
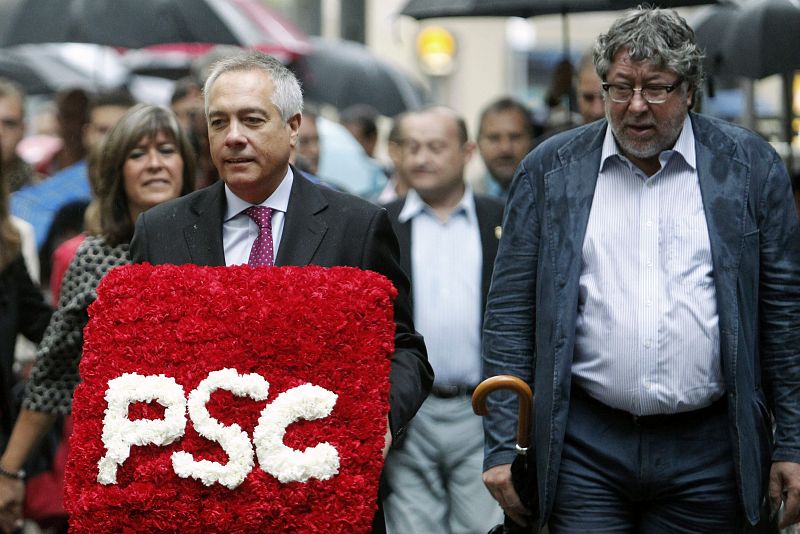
[498, 231]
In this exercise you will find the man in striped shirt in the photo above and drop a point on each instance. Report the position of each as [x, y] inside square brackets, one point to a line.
[647, 287]
[448, 241]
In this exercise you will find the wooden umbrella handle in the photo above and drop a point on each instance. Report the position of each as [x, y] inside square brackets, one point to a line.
[518, 386]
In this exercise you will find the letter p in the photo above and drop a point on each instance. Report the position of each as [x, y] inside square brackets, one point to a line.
[119, 432]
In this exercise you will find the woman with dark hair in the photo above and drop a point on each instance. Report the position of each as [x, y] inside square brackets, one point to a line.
[146, 159]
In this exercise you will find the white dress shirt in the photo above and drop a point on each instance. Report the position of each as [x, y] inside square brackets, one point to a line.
[239, 231]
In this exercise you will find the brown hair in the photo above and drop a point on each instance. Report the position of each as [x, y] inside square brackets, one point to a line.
[141, 121]
[10, 241]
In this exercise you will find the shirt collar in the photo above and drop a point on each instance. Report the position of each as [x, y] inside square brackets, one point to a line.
[414, 206]
[278, 200]
[684, 146]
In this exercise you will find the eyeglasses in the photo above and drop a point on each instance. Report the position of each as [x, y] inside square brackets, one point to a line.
[653, 94]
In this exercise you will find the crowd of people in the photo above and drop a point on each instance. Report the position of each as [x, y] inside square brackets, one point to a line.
[638, 267]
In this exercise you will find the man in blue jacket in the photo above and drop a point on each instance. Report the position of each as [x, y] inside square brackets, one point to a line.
[647, 287]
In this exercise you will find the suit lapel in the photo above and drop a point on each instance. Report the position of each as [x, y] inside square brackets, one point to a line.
[724, 182]
[569, 190]
[204, 233]
[724, 185]
[490, 236]
[303, 228]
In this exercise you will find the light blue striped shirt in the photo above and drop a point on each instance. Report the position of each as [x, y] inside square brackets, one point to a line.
[446, 265]
[647, 338]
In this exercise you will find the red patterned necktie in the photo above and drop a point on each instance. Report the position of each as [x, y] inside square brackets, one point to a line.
[261, 253]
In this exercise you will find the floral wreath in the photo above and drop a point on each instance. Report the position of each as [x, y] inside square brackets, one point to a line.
[231, 399]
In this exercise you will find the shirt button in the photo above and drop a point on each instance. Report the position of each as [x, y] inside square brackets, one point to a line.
[647, 386]
[649, 263]
[648, 303]
[649, 223]
[647, 343]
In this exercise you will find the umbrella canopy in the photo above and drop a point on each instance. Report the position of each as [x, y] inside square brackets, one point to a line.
[343, 73]
[139, 23]
[757, 39]
[46, 69]
[284, 40]
[38, 77]
[174, 61]
[710, 28]
[425, 9]
[763, 39]
[171, 61]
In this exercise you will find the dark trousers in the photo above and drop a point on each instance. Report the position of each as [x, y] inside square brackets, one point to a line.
[650, 475]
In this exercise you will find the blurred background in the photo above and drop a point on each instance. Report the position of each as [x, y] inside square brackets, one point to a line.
[394, 54]
[359, 62]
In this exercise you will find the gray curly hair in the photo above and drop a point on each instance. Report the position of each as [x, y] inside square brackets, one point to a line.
[660, 36]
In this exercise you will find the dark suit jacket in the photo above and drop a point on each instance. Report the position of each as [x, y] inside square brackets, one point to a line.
[755, 247]
[490, 217]
[22, 311]
[322, 227]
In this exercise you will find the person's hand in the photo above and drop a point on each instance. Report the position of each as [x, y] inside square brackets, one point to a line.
[12, 493]
[498, 481]
[387, 439]
[784, 485]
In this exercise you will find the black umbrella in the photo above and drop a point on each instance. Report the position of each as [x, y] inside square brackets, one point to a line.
[343, 73]
[523, 469]
[710, 27]
[758, 39]
[426, 9]
[125, 23]
[764, 39]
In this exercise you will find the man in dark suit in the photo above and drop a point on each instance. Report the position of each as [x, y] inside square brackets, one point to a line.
[448, 241]
[647, 287]
[253, 108]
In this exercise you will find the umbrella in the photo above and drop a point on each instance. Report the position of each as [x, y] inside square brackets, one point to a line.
[426, 9]
[280, 38]
[343, 73]
[38, 77]
[174, 61]
[170, 61]
[758, 39]
[710, 27]
[46, 69]
[284, 40]
[763, 39]
[136, 23]
[523, 469]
